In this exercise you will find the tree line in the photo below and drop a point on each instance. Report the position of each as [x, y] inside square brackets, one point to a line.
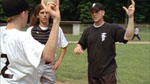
[78, 10]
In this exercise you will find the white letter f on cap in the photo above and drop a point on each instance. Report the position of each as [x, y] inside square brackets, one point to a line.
[94, 4]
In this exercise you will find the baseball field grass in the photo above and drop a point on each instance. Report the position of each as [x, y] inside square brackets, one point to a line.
[133, 65]
[133, 62]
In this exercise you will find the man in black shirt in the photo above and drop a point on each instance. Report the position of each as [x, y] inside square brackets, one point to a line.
[99, 40]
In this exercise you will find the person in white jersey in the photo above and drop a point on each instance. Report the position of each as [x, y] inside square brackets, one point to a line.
[40, 26]
[20, 53]
[136, 34]
[2, 28]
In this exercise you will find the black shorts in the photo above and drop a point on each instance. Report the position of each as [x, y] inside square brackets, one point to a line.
[105, 79]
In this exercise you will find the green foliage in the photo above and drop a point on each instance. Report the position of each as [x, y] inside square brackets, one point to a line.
[85, 15]
[114, 11]
[69, 10]
[142, 12]
[2, 18]
[72, 10]
[140, 18]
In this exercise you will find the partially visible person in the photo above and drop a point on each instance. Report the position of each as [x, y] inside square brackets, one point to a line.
[136, 34]
[20, 53]
[99, 40]
[2, 28]
[40, 27]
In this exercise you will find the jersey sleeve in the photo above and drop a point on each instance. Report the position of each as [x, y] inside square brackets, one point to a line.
[62, 42]
[83, 39]
[119, 34]
[29, 30]
[33, 50]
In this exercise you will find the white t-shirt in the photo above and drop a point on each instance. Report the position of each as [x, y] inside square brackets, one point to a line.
[24, 56]
[62, 42]
[2, 28]
[136, 30]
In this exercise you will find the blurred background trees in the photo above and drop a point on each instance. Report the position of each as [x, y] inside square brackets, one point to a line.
[78, 10]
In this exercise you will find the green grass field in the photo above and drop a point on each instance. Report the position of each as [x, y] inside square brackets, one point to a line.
[144, 34]
[133, 65]
[133, 62]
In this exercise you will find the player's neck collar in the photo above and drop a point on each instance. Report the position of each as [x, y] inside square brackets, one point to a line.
[97, 26]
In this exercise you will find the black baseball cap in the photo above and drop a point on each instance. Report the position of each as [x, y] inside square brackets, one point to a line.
[14, 7]
[97, 6]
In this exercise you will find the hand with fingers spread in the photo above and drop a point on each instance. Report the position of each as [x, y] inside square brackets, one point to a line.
[52, 8]
[130, 10]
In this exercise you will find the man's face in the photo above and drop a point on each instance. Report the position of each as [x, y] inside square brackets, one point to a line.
[97, 16]
[43, 16]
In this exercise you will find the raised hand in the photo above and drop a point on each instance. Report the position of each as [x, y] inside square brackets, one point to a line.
[130, 10]
[52, 8]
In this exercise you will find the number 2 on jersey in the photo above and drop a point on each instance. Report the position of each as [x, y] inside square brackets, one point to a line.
[5, 67]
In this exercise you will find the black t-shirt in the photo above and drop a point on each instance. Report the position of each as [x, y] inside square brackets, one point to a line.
[100, 44]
